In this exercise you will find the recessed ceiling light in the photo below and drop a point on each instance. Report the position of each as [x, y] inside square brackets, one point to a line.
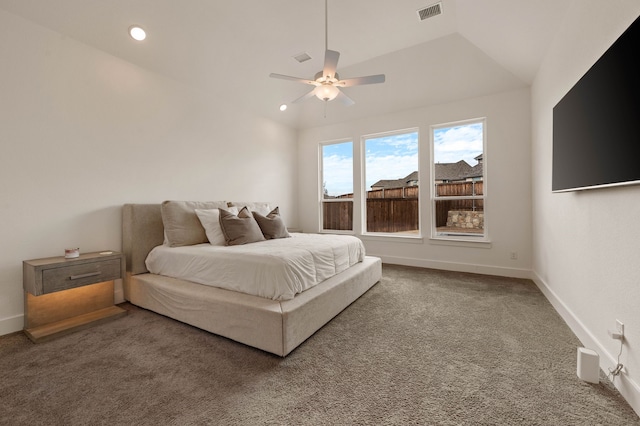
[283, 107]
[137, 33]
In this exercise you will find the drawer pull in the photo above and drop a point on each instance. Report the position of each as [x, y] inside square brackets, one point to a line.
[90, 274]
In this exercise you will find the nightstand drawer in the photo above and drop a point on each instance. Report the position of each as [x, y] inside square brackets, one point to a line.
[72, 276]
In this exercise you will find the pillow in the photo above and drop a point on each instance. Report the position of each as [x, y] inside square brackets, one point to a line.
[181, 224]
[210, 220]
[240, 229]
[272, 225]
[255, 206]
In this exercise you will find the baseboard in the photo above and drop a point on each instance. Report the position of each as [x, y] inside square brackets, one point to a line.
[627, 387]
[11, 324]
[458, 267]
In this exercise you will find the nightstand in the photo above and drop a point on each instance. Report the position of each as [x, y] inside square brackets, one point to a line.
[65, 295]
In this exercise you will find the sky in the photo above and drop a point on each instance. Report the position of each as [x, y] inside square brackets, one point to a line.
[396, 156]
[452, 144]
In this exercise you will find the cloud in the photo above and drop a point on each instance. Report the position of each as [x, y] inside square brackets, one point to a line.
[338, 174]
[389, 167]
[452, 144]
[390, 157]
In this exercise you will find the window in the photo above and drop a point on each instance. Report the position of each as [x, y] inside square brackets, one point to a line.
[392, 183]
[458, 177]
[337, 186]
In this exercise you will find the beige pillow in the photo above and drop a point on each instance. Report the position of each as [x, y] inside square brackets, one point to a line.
[240, 229]
[181, 224]
[272, 225]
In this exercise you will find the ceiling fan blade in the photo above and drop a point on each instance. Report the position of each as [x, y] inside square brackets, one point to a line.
[305, 97]
[357, 81]
[288, 77]
[330, 63]
[344, 99]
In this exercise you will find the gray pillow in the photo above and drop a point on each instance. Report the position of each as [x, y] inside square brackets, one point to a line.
[240, 229]
[272, 225]
[181, 224]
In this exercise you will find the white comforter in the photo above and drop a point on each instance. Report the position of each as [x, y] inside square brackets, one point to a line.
[275, 269]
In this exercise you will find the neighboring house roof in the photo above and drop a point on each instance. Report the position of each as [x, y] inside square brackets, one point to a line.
[476, 171]
[452, 171]
[397, 183]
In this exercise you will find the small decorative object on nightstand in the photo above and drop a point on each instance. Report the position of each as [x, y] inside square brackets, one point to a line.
[64, 295]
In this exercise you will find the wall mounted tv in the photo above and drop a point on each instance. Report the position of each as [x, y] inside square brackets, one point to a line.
[596, 125]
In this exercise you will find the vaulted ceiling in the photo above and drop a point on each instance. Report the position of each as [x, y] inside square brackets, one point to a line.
[228, 48]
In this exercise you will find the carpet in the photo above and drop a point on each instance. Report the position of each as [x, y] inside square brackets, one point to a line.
[422, 347]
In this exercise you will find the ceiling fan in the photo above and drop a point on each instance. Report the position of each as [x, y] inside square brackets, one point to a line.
[327, 82]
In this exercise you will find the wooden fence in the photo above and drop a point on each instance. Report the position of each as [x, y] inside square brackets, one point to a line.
[337, 216]
[396, 209]
[392, 214]
[406, 192]
[457, 189]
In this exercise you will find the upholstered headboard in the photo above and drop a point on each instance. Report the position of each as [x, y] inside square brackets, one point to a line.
[143, 227]
[142, 230]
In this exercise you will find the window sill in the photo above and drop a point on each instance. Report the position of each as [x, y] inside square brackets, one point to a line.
[404, 238]
[335, 231]
[460, 241]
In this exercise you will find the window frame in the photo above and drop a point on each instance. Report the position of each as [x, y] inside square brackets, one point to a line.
[462, 237]
[322, 200]
[363, 196]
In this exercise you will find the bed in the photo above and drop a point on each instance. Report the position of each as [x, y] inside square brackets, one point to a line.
[275, 324]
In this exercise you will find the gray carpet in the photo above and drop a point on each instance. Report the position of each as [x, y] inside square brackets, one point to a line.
[421, 347]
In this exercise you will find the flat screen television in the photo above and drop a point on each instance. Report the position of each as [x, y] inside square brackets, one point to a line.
[596, 125]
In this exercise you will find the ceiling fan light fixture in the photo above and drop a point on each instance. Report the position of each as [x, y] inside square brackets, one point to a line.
[327, 82]
[327, 92]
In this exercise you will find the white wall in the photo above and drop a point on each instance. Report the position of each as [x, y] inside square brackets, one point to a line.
[82, 132]
[586, 245]
[508, 204]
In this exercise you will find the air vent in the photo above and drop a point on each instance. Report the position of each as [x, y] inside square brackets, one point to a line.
[302, 57]
[430, 11]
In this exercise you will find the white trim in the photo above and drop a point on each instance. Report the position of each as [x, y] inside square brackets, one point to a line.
[460, 241]
[455, 266]
[336, 231]
[628, 388]
[11, 324]
[392, 237]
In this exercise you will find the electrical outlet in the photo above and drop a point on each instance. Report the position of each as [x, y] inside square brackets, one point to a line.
[618, 334]
[513, 255]
[615, 335]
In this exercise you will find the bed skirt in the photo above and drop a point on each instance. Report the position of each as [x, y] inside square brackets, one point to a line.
[274, 326]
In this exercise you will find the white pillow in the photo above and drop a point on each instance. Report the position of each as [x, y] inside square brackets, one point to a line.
[210, 219]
